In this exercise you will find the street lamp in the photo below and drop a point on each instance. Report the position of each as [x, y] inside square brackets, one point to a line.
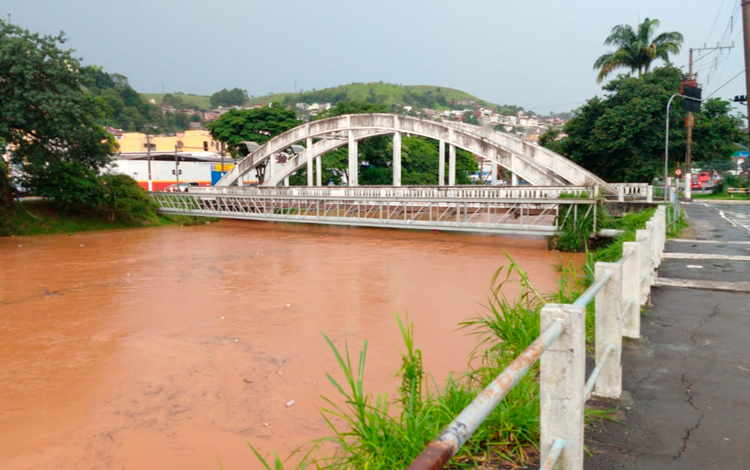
[666, 149]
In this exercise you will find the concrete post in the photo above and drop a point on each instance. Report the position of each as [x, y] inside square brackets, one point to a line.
[451, 165]
[397, 159]
[270, 169]
[308, 152]
[620, 193]
[650, 194]
[644, 270]
[631, 253]
[493, 173]
[609, 304]
[286, 181]
[353, 160]
[441, 164]
[319, 170]
[514, 179]
[562, 376]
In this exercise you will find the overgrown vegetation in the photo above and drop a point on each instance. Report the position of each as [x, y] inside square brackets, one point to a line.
[382, 432]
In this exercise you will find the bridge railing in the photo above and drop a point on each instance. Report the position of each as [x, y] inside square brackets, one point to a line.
[619, 290]
[460, 192]
[632, 192]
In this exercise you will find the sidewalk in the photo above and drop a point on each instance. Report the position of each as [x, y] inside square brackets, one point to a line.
[686, 381]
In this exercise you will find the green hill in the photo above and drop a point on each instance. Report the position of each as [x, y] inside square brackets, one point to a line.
[197, 101]
[419, 96]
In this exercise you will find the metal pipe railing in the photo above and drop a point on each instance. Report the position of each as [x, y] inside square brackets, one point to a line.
[586, 298]
[619, 288]
[591, 382]
[554, 454]
[439, 451]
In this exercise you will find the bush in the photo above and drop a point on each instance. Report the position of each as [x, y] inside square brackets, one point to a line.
[126, 200]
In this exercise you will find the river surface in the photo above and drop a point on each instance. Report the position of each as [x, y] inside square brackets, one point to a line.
[174, 347]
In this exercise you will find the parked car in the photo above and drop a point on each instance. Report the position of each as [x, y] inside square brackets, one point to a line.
[696, 185]
[180, 188]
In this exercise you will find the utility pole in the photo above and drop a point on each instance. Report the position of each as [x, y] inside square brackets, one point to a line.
[746, 38]
[177, 145]
[222, 159]
[690, 121]
[148, 157]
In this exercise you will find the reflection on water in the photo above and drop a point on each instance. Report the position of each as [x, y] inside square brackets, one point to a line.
[165, 348]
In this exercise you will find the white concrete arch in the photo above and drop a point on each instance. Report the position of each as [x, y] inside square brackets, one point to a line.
[508, 153]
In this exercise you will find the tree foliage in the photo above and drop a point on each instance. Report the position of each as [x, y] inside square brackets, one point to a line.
[226, 98]
[125, 109]
[46, 116]
[636, 49]
[620, 136]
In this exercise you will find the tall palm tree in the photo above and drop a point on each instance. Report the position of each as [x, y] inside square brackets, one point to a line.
[636, 49]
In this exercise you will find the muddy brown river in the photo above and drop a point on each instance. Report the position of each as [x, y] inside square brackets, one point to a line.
[174, 347]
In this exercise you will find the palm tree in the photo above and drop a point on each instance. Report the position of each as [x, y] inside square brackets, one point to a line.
[637, 49]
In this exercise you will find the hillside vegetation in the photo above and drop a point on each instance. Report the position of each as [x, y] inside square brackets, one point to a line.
[387, 94]
[196, 101]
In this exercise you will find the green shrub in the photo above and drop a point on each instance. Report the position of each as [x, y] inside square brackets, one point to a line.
[126, 200]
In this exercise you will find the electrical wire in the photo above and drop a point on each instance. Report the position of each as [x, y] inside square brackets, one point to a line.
[725, 84]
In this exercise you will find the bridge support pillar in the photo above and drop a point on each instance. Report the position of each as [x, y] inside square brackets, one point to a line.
[286, 182]
[318, 171]
[270, 169]
[441, 164]
[514, 179]
[397, 159]
[308, 152]
[493, 173]
[353, 161]
[451, 165]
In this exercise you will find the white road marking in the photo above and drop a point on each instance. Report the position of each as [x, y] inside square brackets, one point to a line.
[694, 266]
[716, 242]
[707, 285]
[705, 256]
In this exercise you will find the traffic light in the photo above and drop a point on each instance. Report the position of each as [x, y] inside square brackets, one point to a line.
[740, 99]
[691, 90]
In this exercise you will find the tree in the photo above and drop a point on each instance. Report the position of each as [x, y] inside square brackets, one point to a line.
[620, 137]
[173, 101]
[233, 97]
[257, 125]
[636, 49]
[46, 115]
[717, 134]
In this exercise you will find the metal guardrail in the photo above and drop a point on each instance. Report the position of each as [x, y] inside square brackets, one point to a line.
[563, 391]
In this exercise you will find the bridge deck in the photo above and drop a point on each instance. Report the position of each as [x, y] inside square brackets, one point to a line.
[531, 216]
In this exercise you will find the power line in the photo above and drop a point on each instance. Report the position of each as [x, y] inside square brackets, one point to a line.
[725, 84]
[715, 20]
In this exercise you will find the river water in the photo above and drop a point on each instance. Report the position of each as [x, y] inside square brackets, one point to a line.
[174, 347]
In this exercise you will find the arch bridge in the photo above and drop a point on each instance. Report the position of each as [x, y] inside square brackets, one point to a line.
[536, 165]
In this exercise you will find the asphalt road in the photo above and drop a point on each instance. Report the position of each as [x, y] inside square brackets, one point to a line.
[687, 379]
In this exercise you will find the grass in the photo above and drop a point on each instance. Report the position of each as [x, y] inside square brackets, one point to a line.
[722, 196]
[39, 217]
[197, 101]
[390, 92]
[382, 432]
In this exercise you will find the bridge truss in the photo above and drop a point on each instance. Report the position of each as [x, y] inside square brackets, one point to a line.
[369, 207]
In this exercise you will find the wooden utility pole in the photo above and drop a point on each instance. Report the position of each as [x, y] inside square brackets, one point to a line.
[746, 37]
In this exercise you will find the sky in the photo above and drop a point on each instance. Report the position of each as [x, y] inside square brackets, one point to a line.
[538, 55]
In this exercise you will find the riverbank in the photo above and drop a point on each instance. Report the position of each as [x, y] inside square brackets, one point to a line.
[40, 217]
[388, 432]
